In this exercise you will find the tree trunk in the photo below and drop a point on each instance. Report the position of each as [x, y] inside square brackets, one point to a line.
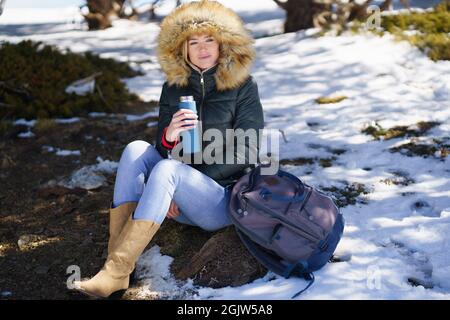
[101, 12]
[301, 14]
[2, 6]
[359, 11]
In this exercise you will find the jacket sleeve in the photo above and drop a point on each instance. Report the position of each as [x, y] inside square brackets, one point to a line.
[249, 115]
[165, 116]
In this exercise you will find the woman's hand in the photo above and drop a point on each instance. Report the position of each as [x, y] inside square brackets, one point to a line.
[182, 120]
[173, 210]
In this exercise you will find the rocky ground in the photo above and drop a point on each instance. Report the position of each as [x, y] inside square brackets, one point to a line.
[45, 228]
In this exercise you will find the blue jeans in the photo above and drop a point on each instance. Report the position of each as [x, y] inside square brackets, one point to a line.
[145, 177]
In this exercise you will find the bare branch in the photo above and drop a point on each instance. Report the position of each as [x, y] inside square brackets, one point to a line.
[281, 4]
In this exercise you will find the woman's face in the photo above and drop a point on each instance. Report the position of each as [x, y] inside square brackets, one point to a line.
[203, 51]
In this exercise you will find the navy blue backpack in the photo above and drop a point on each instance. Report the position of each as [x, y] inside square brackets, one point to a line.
[288, 226]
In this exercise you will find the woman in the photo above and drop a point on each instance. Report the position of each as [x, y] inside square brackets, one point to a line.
[205, 52]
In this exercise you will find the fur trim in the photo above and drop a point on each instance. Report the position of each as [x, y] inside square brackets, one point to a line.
[210, 17]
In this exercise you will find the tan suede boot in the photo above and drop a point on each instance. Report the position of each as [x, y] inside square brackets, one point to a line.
[114, 276]
[117, 218]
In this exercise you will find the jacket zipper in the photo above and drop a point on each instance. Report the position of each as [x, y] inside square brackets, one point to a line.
[282, 219]
[202, 83]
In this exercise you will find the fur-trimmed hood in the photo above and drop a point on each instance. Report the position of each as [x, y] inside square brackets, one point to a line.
[211, 17]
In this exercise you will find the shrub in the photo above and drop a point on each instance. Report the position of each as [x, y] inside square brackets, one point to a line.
[34, 76]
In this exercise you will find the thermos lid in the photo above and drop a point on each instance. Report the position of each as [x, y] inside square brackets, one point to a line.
[186, 98]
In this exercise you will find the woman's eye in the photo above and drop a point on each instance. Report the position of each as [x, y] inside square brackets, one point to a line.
[192, 43]
[210, 40]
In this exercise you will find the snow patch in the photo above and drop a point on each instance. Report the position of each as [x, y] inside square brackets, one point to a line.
[91, 177]
[156, 281]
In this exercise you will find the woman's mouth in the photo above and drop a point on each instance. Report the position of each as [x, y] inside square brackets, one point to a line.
[204, 57]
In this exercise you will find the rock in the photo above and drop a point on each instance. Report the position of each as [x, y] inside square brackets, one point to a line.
[27, 240]
[6, 162]
[222, 261]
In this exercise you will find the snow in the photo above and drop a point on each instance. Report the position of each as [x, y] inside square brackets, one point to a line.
[61, 152]
[68, 120]
[81, 88]
[28, 123]
[92, 176]
[399, 234]
[27, 134]
[97, 114]
[64, 153]
[132, 117]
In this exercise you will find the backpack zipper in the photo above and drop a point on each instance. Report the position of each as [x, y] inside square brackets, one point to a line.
[306, 199]
[274, 214]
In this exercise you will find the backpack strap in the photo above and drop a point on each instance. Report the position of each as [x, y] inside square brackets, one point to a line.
[301, 197]
[266, 193]
[270, 262]
[311, 278]
[256, 172]
[252, 178]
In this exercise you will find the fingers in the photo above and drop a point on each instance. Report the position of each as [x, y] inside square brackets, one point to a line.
[185, 113]
[184, 116]
[172, 214]
[173, 210]
[185, 123]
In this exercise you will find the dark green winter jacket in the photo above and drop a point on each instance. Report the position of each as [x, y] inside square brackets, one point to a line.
[229, 109]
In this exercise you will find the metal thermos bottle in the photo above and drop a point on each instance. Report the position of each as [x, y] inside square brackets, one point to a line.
[191, 138]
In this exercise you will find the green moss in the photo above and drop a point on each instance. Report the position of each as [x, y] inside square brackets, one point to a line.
[432, 28]
[413, 148]
[326, 100]
[338, 151]
[297, 161]
[350, 194]
[33, 79]
[416, 149]
[417, 130]
[436, 21]
[436, 46]
[375, 131]
[326, 162]
[323, 162]
[400, 178]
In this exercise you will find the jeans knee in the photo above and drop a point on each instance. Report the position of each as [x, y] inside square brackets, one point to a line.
[166, 166]
[166, 171]
[136, 147]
